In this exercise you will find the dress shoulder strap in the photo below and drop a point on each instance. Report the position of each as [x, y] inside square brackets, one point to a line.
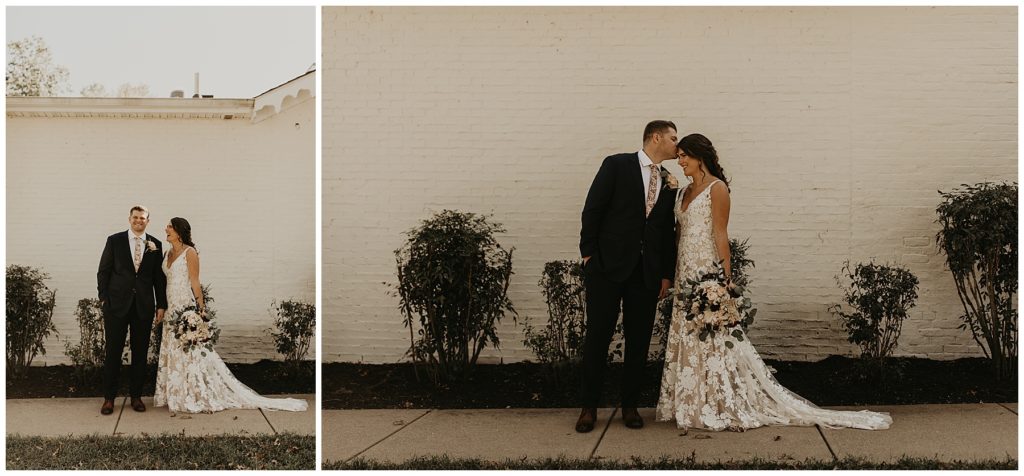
[680, 192]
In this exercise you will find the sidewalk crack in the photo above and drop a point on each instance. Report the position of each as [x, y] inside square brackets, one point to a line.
[268, 421]
[827, 444]
[119, 413]
[368, 448]
[1008, 408]
[605, 430]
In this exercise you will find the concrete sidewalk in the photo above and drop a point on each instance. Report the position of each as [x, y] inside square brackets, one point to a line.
[944, 432]
[81, 416]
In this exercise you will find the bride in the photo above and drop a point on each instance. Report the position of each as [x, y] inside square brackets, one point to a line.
[197, 380]
[705, 384]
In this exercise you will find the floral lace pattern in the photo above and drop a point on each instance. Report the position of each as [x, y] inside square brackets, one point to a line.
[706, 385]
[198, 381]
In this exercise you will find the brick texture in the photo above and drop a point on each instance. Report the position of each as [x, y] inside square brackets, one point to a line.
[246, 188]
[836, 125]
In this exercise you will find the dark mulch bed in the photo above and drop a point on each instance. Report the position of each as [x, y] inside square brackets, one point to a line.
[833, 381]
[266, 377]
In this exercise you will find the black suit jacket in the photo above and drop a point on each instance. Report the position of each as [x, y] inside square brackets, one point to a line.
[615, 232]
[118, 282]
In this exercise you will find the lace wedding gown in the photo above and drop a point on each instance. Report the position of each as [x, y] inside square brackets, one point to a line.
[707, 385]
[193, 383]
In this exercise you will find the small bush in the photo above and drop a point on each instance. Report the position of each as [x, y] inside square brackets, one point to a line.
[560, 342]
[295, 323]
[739, 262]
[879, 296]
[88, 354]
[453, 279]
[29, 316]
[979, 237]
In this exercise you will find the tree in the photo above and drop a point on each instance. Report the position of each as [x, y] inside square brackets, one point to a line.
[94, 90]
[31, 72]
[126, 90]
[129, 90]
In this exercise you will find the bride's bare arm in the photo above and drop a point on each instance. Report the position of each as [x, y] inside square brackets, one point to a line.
[720, 224]
[192, 260]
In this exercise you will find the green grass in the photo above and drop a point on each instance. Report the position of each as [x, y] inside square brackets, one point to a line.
[444, 462]
[284, 451]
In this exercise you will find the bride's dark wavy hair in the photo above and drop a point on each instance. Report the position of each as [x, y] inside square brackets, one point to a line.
[184, 231]
[700, 148]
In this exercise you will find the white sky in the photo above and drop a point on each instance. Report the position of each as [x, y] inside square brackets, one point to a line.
[239, 52]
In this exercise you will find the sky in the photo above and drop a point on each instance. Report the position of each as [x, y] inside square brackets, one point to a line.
[239, 52]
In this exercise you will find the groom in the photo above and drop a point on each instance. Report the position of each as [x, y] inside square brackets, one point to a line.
[129, 278]
[629, 253]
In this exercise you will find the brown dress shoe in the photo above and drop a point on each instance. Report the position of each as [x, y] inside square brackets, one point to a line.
[137, 404]
[586, 421]
[108, 407]
[632, 418]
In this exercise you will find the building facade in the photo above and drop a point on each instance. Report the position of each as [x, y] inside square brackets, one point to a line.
[241, 171]
[836, 125]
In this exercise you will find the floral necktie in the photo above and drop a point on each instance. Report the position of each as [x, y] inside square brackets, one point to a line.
[652, 188]
[138, 253]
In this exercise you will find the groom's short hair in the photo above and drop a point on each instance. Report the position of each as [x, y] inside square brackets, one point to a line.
[139, 208]
[657, 127]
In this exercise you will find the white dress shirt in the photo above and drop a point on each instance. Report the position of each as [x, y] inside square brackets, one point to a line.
[645, 172]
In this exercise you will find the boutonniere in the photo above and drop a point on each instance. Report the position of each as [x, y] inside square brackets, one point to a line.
[150, 245]
[669, 180]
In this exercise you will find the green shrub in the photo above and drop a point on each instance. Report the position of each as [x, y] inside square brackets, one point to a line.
[560, 342]
[29, 316]
[879, 297]
[88, 354]
[295, 323]
[979, 237]
[453, 279]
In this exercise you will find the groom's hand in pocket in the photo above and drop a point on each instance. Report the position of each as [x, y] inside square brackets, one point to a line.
[585, 259]
[664, 288]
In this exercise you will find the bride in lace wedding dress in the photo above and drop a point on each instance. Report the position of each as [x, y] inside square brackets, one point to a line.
[197, 380]
[706, 384]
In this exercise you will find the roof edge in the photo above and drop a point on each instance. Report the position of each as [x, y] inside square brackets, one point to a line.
[32, 106]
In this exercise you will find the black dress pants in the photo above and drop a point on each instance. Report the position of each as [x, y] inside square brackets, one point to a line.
[638, 304]
[115, 329]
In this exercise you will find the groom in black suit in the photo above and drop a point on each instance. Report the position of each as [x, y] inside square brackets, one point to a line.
[629, 253]
[129, 279]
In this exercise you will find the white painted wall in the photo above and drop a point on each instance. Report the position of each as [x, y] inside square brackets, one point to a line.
[246, 188]
[836, 125]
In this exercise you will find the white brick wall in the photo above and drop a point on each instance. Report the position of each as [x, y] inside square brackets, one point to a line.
[247, 189]
[837, 126]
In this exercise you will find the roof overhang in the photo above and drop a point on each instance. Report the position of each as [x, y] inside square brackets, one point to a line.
[285, 96]
[166, 108]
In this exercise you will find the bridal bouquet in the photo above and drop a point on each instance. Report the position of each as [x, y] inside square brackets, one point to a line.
[711, 305]
[193, 330]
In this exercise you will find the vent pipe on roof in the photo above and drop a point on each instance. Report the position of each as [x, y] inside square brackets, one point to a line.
[197, 86]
